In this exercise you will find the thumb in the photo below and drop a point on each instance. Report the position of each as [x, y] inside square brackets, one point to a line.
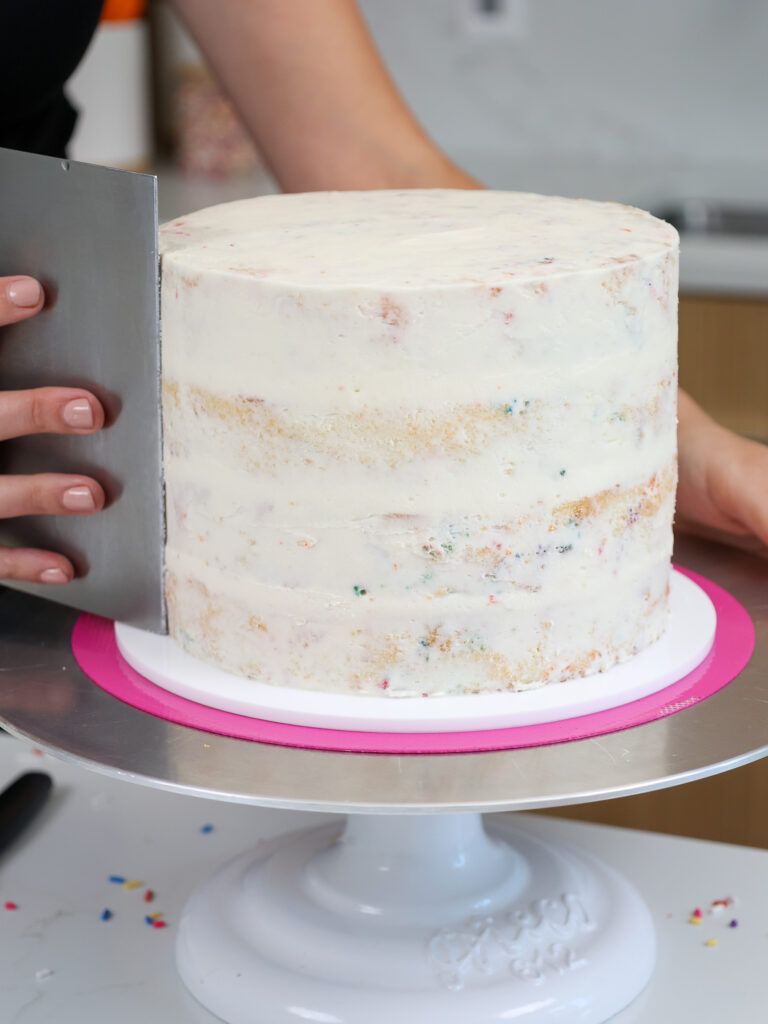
[20, 298]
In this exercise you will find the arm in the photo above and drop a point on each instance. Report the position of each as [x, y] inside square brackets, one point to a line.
[311, 87]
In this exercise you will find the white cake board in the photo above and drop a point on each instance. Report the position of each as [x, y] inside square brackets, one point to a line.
[686, 642]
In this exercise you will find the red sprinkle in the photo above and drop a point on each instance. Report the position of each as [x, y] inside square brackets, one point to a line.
[697, 913]
[10, 905]
[149, 896]
[159, 924]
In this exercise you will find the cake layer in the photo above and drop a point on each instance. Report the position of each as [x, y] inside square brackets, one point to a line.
[266, 436]
[393, 555]
[521, 336]
[421, 442]
[419, 646]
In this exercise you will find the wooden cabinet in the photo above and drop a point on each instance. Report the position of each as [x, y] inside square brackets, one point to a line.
[728, 808]
[724, 360]
[724, 366]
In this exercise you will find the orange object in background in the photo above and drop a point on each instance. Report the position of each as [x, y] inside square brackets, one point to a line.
[123, 10]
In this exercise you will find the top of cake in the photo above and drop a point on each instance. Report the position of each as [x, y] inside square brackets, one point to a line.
[416, 238]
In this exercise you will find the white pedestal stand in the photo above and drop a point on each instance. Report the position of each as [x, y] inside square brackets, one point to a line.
[419, 919]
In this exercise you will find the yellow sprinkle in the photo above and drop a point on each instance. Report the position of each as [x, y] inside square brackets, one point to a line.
[206, 746]
[694, 920]
[156, 916]
[133, 884]
[711, 942]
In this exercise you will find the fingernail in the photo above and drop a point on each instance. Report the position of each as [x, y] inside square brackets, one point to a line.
[78, 413]
[78, 499]
[25, 293]
[53, 576]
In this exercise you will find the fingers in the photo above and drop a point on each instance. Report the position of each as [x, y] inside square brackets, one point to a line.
[20, 298]
[53, 494]
[49, 411]
[34, 566]
[44, 494]
[42, 411]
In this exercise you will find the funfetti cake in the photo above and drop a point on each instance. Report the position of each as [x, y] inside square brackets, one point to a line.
[419, 442]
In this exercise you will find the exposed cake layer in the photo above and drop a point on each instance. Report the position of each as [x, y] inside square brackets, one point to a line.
[431, 606]
[422, 439]
[418, 646]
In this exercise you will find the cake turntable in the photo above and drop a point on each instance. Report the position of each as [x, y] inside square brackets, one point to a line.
[416, 909]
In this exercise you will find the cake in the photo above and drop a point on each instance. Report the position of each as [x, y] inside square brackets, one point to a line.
[418, 443]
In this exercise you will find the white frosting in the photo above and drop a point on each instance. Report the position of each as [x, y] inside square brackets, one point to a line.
[418, 441]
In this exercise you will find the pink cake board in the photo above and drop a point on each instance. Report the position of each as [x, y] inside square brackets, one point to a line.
[96, 652]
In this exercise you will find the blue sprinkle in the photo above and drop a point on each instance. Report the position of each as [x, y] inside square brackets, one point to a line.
[117, 879]
[206, 829]
[106, 914]
[149, 921]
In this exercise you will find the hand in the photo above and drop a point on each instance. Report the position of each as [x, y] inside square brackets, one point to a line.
[723, 479]
[42, 411]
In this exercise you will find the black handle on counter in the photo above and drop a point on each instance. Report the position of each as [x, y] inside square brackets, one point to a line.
[20, 802]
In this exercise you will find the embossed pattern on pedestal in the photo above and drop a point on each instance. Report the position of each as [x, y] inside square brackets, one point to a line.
[524, 943]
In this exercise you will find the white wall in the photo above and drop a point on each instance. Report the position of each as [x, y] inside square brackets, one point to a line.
[631, 99]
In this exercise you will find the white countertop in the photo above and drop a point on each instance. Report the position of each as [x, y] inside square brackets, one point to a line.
[62, 964]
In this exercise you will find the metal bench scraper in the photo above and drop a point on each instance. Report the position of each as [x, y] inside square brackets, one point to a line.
[89, 234]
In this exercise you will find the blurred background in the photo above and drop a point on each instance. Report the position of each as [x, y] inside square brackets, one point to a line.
[659, 104]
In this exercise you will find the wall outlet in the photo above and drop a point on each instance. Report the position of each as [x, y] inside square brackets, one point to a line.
[501, 18]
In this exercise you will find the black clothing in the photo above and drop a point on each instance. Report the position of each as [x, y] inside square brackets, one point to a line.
[41, 44]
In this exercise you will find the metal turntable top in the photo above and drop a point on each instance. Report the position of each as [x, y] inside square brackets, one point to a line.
[46, 698]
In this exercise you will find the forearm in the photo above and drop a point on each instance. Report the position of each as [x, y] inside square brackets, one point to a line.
[311, 87]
